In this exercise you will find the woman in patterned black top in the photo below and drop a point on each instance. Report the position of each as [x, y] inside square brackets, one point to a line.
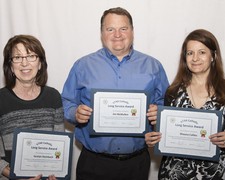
[26, 101]
[199, 84]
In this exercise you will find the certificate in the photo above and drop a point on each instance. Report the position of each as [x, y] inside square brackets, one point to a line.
[185, 132]
[41, 152]
[120, 112]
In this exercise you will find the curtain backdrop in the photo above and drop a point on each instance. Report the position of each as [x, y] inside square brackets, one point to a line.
[70, 29]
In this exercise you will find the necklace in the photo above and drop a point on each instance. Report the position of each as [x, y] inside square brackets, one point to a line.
[193, 100]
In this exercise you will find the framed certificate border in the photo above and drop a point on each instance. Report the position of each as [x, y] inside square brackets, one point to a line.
[185, 132]
[119, 112]
[41, 152]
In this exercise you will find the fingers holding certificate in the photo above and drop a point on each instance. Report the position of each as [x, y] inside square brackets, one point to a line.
[41, 152]
[119, 113]
[185, 132]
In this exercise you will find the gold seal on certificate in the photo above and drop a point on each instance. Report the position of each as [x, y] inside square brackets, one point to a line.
[119, 112]
[185, 132]
[41, 152]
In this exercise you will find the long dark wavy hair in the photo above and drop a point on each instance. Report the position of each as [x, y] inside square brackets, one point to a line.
[216, 75]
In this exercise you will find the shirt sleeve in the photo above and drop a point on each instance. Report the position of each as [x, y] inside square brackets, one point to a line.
[59, 123]
[161, 86]
[3, 164]
[71, 96]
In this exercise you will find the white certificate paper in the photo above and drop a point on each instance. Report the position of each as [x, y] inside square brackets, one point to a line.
[41, 152]
[119, 112]
[185, 132]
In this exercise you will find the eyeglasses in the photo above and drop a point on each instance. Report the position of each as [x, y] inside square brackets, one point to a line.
[29, 58]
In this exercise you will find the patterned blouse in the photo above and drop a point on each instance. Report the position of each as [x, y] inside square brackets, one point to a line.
[173, 168]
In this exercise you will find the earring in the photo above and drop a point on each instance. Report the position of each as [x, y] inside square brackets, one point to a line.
[212, 60]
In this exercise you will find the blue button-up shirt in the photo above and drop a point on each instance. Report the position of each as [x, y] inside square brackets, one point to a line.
[102, 70]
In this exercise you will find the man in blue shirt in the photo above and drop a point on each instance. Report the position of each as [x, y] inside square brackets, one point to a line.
[116, 66]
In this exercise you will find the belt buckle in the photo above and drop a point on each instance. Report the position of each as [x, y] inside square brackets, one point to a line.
[129, 156]
[121, 157]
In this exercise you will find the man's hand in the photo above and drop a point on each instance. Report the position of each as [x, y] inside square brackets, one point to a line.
[152, 138]
[152, 113]
[83, 114]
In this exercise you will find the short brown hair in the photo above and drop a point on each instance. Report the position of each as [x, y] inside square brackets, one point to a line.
[31, 44]
[118, 11]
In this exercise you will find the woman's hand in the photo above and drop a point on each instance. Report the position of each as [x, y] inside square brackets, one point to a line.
[36, 178]
[152, 138]
[152, 113]
[6, 171]
[83, 114]
[218, 139]
[51, 177]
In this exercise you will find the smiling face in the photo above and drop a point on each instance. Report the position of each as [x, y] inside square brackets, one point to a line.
[198, 57]
[117, 34]
[25, 71]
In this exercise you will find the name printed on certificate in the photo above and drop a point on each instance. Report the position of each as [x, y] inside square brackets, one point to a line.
[41, 152]
[186, 132]
[119, 112]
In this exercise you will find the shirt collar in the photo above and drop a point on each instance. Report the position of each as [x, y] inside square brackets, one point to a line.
[112, 57]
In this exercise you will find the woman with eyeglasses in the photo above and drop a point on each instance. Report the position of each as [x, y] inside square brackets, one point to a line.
[26, 101]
